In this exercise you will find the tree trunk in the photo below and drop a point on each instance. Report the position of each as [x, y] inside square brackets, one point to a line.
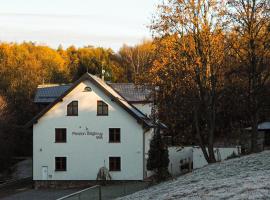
[254, 135]
[212, 158]
[200, 137]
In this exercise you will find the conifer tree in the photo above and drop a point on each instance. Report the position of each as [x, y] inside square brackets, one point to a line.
[158, 159]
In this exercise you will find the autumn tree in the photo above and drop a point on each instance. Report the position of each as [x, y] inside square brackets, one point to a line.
[93, 60]
[249, 38]
[137, 59]
[169, 72]
[6, 135]
[22, 68]
[201, 39]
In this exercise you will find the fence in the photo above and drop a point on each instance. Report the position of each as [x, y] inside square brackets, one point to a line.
[93, 192]
[107, 192]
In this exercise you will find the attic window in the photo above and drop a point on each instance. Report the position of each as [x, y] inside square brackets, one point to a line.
[87, 89]
[102, 108]
[72, 108]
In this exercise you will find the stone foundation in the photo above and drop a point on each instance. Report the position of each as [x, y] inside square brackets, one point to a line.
[63, 184]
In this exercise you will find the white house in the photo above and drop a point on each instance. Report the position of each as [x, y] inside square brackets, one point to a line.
[88, 125]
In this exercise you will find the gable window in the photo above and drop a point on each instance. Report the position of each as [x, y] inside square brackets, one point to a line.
[72, 108]
[60, 163]
[115, 163]
[114, 135]
[60, 135]
[102, 108]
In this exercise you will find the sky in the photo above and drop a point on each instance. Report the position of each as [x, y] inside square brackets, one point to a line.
[105, 23]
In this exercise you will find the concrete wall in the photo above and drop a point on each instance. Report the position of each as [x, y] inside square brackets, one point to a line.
[176, 154]
[220, 154]
[148, 138]
[85, 153]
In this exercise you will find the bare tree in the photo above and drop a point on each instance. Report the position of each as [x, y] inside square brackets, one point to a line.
[249, 26]
[201, 39]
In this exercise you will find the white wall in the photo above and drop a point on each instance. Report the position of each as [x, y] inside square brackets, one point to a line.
[148, 138]
[144, 108]
[176, 154]
[86, 154]
[220, 154]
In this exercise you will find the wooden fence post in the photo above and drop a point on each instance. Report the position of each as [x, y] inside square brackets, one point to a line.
[99, 192]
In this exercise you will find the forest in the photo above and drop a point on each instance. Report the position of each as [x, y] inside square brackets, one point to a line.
[210, 59]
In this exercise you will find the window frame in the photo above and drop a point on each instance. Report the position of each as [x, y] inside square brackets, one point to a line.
[116, 166]
[64, 139]
[114, 132]
[74, 108]
[63, 164]
[104, 108]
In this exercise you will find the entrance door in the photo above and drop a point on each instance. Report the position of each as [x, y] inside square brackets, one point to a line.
[45, 173]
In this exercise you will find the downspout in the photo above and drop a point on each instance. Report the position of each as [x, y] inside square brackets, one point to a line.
[144, 166]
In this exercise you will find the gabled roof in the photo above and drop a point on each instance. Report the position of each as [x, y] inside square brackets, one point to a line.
[132, 93]
[132, 110]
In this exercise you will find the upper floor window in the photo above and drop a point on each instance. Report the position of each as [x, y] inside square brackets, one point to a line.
[102, 108]
[60, 163]
[114, 135]
[60, 135]
[72, 108]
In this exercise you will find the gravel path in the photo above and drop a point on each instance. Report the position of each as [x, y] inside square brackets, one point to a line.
[39, 194]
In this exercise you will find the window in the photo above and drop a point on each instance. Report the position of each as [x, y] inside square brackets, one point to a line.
[115, 163]
[87, 89]
[114, 135]
[60, 135]
[60, 163]
[72, 108]
[267, 138]
[102, 108]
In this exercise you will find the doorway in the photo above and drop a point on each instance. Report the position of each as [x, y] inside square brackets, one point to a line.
[45, 173]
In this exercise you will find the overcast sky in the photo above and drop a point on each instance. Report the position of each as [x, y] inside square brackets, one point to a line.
[107, 23]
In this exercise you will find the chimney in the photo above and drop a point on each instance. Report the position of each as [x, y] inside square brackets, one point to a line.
[102, 74]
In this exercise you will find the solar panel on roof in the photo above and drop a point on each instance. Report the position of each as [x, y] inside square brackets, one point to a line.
[49, 93]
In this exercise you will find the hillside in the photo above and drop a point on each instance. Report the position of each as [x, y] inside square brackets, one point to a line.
[247, 177]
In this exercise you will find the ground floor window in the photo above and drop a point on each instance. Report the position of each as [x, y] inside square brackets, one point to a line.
[115, 163]
[60, 163]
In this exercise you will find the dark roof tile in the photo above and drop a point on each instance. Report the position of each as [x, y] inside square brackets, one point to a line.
[129, 91]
